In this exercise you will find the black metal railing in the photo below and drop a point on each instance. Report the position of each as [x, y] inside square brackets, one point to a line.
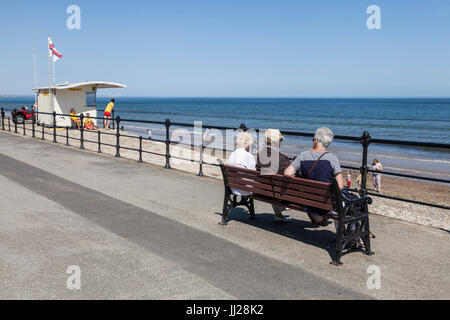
[365, 140]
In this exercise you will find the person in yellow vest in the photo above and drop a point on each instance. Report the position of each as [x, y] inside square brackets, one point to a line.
[107, 114]
[89, 123]
[75, 120]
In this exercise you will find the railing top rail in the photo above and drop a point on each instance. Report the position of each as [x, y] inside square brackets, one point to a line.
[292, 133]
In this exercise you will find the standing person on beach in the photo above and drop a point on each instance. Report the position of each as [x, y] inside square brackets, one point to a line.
[349, 179]
[320, 165]
[358, 181]
[271, 151]
[109, 109]
[376, 165]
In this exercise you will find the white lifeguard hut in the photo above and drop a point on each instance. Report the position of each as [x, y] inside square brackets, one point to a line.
[61, 98]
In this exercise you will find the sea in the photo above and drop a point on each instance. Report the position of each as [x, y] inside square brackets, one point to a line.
[423, 120]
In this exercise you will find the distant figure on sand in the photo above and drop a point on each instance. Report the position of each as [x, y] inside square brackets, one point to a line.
[269, 152]
[89, 123]
[149, 133]
[108, 111]
[358, 181]
[241, 157]
[76, 122]
[349, 179]
[376, 165]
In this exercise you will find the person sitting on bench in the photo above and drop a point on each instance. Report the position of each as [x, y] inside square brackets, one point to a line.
[241, 157]
[265, 165]
[320, 165]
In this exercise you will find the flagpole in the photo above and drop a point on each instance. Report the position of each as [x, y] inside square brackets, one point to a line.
[35, 69]
[54, 73]
[49, 76]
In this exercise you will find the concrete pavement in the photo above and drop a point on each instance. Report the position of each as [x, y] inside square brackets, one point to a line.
[140, 231]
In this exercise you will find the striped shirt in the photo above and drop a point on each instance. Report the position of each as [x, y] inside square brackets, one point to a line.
[327, 167]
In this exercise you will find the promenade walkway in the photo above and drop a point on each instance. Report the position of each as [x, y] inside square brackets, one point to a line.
[141, 231]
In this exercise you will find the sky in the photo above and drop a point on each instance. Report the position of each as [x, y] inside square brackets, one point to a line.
[246, 48]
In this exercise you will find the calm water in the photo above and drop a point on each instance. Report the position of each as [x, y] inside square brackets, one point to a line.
[426, 120]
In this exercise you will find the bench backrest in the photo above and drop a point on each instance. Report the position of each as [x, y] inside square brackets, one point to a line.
[297, 191]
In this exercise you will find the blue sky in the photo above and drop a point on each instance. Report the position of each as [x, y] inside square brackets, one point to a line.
[245, 48]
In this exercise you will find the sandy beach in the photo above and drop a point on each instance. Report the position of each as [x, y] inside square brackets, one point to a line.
[154, 152]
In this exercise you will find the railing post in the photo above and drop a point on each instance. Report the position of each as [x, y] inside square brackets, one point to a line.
[167, 124]
[243, 127]
[43, 133]
[67, 136]
[33, 133]
[112, 117]
[99, 150]
[81, 131]
[200, 172]
[118, 137]
[54, 126]
[9, 124]
[140, 149]
[3, 119]
[365, 141]
[15, 124]
[24, 132]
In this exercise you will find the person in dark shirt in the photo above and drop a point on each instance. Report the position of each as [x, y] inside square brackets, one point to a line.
[320, 165]
[271, 161]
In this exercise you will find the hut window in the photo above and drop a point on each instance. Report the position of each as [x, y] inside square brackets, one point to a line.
[90, 99]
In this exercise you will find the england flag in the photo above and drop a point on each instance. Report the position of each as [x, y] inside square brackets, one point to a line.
[52, 52]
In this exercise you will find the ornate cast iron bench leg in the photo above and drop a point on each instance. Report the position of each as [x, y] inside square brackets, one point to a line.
[251, 208]
[339, 244]
[227, 206]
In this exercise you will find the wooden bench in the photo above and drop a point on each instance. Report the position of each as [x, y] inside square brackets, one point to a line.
[296, 193]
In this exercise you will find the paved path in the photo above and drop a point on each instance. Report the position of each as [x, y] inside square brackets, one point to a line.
[141, 231]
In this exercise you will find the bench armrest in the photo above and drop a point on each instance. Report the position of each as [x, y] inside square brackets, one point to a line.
[361, 200]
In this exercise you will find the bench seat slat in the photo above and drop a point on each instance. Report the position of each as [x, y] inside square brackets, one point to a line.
[305, 195]
[278, 191]
[279, 177]
[301, 181]
[252, 182]
[251, 189]
[305, 202]
[267, 180]
[281, 203]
[281, 197]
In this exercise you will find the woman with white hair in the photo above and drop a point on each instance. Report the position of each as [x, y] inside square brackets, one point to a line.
[241, 157]
[320, 165]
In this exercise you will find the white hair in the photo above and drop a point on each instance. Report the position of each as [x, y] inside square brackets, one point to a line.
[244, 140]
[324, 136]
